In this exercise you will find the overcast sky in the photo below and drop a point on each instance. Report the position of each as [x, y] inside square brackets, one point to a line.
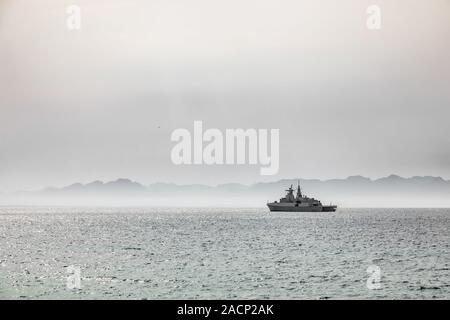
[101, 102]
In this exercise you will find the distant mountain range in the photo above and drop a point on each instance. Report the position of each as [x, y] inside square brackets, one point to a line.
[357, 191]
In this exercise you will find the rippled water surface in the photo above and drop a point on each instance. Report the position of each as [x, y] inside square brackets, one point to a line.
[132, 253]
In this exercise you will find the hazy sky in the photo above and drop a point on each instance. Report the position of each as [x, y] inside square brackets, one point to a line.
[101, 102]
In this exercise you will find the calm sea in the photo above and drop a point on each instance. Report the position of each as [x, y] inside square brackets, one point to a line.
[147, 253]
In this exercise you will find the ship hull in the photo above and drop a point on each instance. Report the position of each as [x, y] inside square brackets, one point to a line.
[329, 208]
[292, 208]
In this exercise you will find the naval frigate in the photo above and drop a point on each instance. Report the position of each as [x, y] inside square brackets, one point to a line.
[299, 203]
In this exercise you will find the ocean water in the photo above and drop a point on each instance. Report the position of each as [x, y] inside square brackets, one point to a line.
[148, 253]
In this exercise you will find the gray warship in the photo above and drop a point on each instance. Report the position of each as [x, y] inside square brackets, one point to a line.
[299, 203]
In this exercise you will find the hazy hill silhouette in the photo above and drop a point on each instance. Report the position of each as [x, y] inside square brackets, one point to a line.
[352, 191]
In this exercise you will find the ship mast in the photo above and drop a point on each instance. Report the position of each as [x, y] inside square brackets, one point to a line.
[299, 190]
